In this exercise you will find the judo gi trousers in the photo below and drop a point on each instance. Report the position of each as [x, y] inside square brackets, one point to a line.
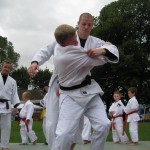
[52, 114]
[5, 122]
[117, 132]
[133, 129]
[69, 119]
[44, 128]
[24, 134]
[86, 132]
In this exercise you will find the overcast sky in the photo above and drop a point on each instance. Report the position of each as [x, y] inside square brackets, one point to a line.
[30, 24]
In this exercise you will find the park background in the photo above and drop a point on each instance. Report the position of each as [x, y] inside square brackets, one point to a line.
[125, 23]
[144, 132]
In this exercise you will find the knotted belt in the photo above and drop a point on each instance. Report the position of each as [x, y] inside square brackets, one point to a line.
[5, 101]
[24, 120]
[86, 81]
[125, 121]
[112, 123]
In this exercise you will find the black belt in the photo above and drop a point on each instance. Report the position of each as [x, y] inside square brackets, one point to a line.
[5, 101]
[86, 81]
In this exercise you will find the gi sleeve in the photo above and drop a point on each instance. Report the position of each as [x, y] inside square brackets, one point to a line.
[44, 54]
[15, 97]
[112, 53]
[30, 110]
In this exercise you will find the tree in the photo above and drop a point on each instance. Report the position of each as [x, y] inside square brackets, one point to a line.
[41, 77]
[126, 23]
[7, 52]
[22, 77]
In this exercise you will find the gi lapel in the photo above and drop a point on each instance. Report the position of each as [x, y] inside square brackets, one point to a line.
[7, 81]
[87, 44]
[1, 83]
[5, 88]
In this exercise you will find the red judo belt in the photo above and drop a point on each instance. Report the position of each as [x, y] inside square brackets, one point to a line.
[112, 123]
[57, 92]
[24, 120]
[125, 121]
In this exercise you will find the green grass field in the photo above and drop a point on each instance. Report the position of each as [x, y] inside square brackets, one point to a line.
[144, 132]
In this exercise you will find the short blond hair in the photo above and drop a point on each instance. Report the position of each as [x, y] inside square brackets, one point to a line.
[26, 95]
[118, 92]
[63, 33]
[86, 14]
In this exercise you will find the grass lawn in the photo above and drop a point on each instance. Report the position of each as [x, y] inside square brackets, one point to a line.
[144, 132]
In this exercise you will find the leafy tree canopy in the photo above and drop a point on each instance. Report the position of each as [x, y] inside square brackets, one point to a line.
[7, 52]
[126, 23]
[23, 79]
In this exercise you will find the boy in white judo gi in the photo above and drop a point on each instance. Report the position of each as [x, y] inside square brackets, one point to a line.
[116, 111]
[26, 121]
[85, 25]
[79, 94]
[8, 96]
[132, 115]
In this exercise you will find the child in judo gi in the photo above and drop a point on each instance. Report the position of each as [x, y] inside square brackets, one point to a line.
[116, 112]
[132, 116]
[26, 120]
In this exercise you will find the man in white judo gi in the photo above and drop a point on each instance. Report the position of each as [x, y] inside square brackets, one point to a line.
[79, 94]
[85, 25]
[8, 96]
